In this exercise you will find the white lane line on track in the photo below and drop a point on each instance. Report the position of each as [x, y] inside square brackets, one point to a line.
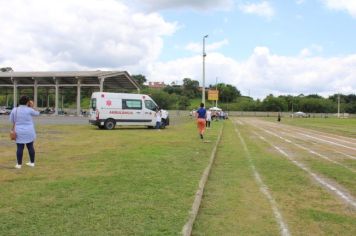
[346, 155]
[264, 189]
[239, 122]
[347, 198]
[311, 133]
[340, 139]
[327, 141]
[310, 151]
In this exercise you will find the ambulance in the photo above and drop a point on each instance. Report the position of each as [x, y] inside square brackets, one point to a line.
[125, 109]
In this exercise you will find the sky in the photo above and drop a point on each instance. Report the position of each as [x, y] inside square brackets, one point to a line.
[261, 47]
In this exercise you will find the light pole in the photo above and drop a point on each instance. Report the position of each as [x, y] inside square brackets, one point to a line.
[338, 105]
[204, 55]
[216, 89]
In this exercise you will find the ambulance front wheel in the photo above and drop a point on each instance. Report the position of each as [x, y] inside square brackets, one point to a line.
[109, 124]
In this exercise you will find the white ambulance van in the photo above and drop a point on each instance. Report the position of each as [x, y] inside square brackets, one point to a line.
[126, 109]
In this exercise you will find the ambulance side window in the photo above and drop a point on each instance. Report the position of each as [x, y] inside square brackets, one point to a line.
[150, 105]
[93, 103]
[133, 104]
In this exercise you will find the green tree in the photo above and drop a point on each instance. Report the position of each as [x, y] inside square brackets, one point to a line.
[140, 79]
[271, 103]
[162, 98]
[351, 107]
[317, 105]
[183, 103]
[250, 105]
[173, 89]
[227, 92]
[190, 88]
[314, 96]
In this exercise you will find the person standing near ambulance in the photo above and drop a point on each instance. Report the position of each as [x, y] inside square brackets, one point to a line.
[158, 116]
[201, 116]
[165, 120]
[21, 117]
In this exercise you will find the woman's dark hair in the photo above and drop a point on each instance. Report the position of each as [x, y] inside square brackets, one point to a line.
[201, 104]
[24, 100]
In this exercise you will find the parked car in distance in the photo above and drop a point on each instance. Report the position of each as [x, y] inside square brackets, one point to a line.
[5, 110]
[47, 111]
[300, 114]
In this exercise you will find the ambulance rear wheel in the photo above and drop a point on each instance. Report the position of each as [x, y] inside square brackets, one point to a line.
[109, 124]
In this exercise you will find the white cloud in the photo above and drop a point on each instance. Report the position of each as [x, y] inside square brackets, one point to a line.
[198, 47]
[311, 51]
[343, 5]
[78, 34]
[106, 34]
[299, 2]
[263, 73]
[263, 9]
[182, 4]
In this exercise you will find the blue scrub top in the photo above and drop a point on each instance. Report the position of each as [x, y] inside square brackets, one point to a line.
[201, 113]
[24, 127]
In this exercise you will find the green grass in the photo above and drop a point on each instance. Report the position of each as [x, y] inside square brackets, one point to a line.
[345, 127]
[341, 175]
[335, 172]
[136, 181]
[233, 204]
[96, 182]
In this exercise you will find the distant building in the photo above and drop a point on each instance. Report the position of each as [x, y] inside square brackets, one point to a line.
[157, 85]
[206, 89]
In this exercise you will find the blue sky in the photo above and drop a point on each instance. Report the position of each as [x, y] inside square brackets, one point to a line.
[259, 46]
[292, 28]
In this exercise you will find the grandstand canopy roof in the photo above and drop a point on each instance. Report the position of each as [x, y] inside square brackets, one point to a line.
[110, 79]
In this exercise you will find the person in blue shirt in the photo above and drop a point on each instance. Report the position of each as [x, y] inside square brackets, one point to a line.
[21, 117]
[201, 116]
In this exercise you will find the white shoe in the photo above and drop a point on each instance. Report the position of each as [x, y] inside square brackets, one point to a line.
[18, 166]
[30, 164]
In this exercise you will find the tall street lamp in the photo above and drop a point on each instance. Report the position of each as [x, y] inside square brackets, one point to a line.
[204, 55]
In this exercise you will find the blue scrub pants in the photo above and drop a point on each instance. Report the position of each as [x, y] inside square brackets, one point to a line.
[19, 152]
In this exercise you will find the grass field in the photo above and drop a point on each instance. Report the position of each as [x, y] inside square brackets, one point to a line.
[94, 182]
[345, 127]
[136, 181]
[233, 203]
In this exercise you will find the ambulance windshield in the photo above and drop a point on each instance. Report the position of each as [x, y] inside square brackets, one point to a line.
[150, 105]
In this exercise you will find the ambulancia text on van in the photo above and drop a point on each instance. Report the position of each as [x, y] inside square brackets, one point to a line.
[110, 109]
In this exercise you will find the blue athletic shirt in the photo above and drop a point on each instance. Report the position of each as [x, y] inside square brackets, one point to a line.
[201, 113]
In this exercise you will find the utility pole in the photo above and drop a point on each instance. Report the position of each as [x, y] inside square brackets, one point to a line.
[338, 105]
[204, 55]
[216, 88]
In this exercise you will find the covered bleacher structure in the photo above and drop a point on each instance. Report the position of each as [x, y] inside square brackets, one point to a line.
[101, 80]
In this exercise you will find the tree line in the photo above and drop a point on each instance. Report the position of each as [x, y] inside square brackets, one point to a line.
[287, 103]
[181, 96]
[187, 96]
